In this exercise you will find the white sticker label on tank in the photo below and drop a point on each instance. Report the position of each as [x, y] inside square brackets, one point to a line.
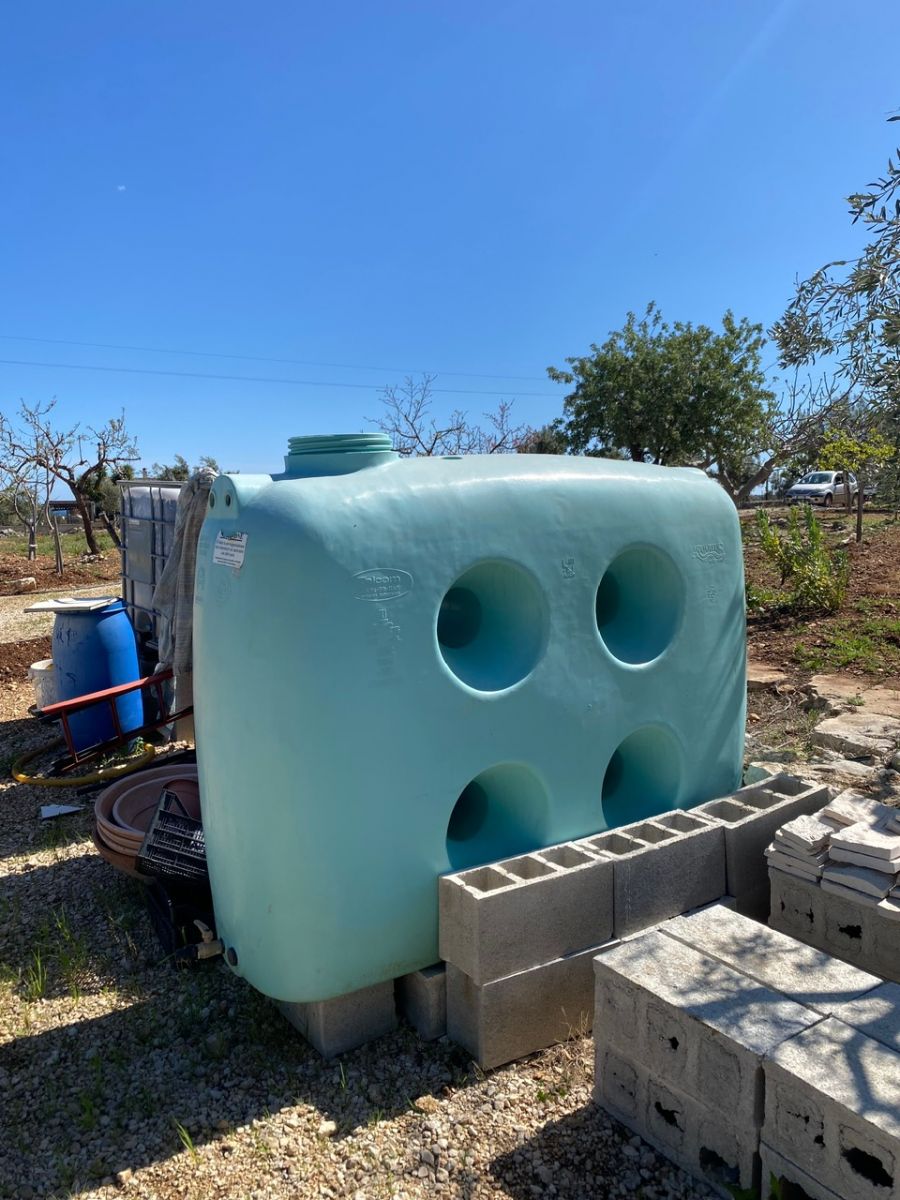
[229, 549]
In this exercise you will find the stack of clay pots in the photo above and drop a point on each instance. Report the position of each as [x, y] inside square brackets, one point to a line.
[124, 810]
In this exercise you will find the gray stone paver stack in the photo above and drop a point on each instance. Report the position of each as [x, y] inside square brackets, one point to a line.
[847, 901]
[833, 1110]
[680, 1041]
[745, 1054]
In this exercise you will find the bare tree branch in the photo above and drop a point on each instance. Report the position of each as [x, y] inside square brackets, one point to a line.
[79, 459]
[408, 420]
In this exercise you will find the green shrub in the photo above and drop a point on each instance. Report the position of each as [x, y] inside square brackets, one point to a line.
[816, 576]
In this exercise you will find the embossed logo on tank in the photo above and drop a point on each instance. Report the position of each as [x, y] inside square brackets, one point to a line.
[710, 552]
[382, 583]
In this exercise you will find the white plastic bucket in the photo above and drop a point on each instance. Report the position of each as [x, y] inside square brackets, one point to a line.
[43, 679]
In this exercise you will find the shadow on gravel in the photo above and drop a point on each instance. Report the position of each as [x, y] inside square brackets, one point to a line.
[86, 1100]
[587, 1153]
[106, 1091]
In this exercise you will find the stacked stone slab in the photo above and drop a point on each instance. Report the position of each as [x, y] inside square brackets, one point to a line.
[518, 936]
[750, 818]
[686, 1016]
[842, 921]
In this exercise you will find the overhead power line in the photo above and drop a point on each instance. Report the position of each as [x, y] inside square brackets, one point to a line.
[320, 383]
[294, 362]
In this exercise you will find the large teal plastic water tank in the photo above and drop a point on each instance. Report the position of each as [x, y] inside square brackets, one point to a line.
[405, 667]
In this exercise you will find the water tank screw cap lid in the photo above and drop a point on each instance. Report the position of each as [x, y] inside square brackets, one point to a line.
[340, 443]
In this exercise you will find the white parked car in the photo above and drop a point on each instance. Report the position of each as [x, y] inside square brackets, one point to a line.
[823, 487]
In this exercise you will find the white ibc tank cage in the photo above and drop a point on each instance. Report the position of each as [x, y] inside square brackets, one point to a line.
[148, 532]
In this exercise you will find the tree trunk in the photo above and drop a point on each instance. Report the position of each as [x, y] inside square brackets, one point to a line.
[110, 528]
[57, 545]
[637, 453]
[859, 509]
[760, 477]
[84, 514]
[848, 494]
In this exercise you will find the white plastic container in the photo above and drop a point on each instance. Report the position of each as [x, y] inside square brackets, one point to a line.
[43, 679]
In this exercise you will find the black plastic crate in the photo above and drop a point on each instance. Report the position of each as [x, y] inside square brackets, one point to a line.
[174, 846]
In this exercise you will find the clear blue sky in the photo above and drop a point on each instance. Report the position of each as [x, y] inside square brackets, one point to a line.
[469, 187]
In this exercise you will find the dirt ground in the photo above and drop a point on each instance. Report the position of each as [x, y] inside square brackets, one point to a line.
[17, 657]
[864, 636]
[77, 573]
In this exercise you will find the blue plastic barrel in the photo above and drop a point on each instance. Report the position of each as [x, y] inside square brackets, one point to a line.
[94, 650]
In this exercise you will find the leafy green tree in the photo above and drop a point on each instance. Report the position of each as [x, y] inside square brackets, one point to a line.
[848, 311]
[673, 394]
[864, 452]
[549, 439]
[181, 470]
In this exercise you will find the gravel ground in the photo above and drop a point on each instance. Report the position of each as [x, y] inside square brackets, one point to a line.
[17, 625]
[120, 1074]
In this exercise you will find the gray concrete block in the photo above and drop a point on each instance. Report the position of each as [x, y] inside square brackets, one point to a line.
[345, 1022]
[422, 999]
[833, 1108]
[662, 867]
[701, 1141]
[688, 1017]
[787, 1176]
[803, 973]
[750, 818]
[505, 918]
[876, 1014]
[797, 908]
[506, 1019]
[620, 1086]
[885, 947]
[849, 928]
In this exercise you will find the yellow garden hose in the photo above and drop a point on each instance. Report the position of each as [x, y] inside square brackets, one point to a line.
[59, 781]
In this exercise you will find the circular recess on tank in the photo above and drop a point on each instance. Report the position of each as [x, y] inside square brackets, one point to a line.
[502, 812]
[643, 776]
[492, 625]
[639, 604]
[212, 500]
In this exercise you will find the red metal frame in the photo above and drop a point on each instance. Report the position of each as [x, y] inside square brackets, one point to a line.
[64, 709]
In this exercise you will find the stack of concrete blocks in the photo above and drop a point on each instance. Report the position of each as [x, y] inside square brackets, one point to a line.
[518, 936]
[854, 930]
[688, 1015]
[832, 1126]
[750, 818]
